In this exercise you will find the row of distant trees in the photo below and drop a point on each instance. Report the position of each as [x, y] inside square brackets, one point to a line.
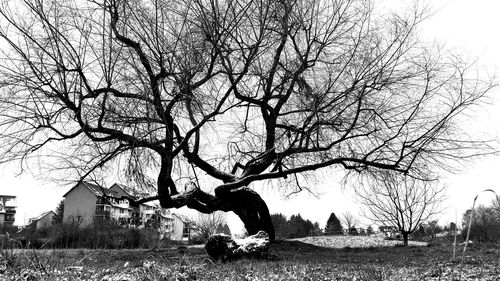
[297, 227]
[485, 224]
[294, 227]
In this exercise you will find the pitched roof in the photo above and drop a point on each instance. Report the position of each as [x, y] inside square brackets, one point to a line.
[97, 190]
[128, 191]
[183, 218]
[164, 214]
[122, 190]
[42, 215]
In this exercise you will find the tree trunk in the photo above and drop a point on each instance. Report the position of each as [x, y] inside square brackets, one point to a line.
[405, 239]
[251, 209]
[244, 202]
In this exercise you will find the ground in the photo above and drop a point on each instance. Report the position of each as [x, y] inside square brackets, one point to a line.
[312, 258]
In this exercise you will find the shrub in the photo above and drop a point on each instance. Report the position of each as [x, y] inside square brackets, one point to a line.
[198, 240]
[102, 235]
[485, 225]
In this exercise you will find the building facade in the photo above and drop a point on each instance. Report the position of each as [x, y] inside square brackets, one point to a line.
[42, 221]
[87, 203]
[7, 210]
[183, 228]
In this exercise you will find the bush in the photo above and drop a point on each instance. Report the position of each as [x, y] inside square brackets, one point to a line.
[103, 235]
[198, 240]
[485, 225]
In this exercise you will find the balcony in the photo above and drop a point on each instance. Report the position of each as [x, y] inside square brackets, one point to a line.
[102, 213]
[9, 219]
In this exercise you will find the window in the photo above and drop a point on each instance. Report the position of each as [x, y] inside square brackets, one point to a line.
[185, 230]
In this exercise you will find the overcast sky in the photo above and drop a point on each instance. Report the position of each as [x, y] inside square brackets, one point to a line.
[470, 27]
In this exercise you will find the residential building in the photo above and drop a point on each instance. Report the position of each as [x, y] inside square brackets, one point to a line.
[7, 210]
[42, 221]
[183, 228]
[142, 215]
[163, 220]
[389, 231]
[86, 203]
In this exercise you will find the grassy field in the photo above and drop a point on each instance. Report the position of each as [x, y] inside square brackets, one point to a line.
[313, 258]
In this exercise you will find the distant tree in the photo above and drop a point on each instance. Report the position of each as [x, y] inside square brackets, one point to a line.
[401, 201]
[432, 228]
[350, 221]
[299, 227]
[485, 225]
[316, 230]
[353, 231]
[333, 226]
[453, 226]
[295, 227]
[207, 224]
[420, 233]
[281, 227]
[369, 230]
[59, 213]
[496, 207]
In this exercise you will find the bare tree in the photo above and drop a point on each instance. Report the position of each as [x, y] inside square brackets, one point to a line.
[400, 201]
[350, 221]
[214, 95]
[207, 224]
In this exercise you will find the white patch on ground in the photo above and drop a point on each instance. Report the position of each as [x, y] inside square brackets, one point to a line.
[341, 241]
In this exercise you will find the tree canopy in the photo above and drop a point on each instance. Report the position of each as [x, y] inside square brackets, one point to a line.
[333, 226]
[295, 227]
[165, 92]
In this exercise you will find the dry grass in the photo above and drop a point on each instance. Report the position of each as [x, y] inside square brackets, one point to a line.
[289, 260]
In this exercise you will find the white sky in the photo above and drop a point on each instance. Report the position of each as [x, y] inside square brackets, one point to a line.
[471, 27]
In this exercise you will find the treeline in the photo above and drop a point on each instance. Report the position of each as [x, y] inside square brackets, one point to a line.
[485, 225]
[294, 227]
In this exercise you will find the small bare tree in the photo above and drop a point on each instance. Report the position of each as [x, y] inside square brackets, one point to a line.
[349, 220]
[207, 224]
[401, 201]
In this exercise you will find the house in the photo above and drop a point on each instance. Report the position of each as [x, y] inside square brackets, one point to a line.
[389, 231]
[87, 203]
[170, 225]
[163, 220]
[7, 210]
[143, 215]
[183, 228]
[42, 221]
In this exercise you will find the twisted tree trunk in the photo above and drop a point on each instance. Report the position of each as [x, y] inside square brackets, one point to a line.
[252, 210]
[247, 204]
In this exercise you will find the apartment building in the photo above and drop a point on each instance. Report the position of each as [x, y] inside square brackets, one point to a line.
[7, 210]
[87, 203]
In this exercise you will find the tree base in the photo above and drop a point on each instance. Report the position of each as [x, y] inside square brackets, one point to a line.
[224, 248]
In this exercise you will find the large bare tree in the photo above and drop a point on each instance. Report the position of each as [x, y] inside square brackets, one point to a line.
[400, 201]
[169, 91]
